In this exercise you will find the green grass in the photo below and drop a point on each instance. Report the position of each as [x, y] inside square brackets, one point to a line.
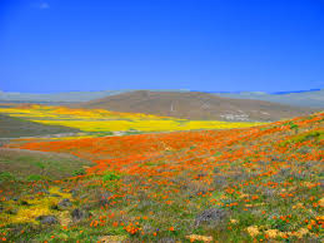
[52, 166]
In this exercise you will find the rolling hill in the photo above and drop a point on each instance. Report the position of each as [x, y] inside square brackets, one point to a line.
[195, 106]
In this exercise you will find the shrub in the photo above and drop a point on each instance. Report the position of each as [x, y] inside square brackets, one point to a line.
[34, 178]
[40, 165]
[79, 172]
[7, 176]
[293, 126]
[110, 176]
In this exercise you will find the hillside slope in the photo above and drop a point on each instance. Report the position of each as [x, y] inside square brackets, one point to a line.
[196, 106]
[260, 184]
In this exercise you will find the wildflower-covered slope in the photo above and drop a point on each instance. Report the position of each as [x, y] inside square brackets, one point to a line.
[251, 184]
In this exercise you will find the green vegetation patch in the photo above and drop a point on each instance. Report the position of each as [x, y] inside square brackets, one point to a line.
[110, 176]
[27, 165]
[316, 136]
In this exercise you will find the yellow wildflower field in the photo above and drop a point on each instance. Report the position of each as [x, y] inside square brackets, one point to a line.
[41, 205]
[99, 120]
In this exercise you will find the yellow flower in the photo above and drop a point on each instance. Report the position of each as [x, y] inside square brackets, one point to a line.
[321, 202]
[300, 233]
[234, 221]
[272, 233]
[253, 230]
[202, 238]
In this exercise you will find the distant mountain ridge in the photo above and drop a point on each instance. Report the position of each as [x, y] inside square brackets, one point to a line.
[65, 97]
[56, 97]
[295, 91]
[259, 92]
[306, 98]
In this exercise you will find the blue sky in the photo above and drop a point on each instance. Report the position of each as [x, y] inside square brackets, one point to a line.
[212, 45]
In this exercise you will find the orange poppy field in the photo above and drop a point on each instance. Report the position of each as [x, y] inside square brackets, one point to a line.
[258, 184]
